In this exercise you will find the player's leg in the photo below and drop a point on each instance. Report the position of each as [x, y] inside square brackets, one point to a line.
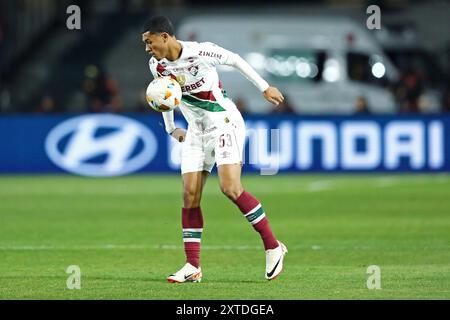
[194, 179]
[229, 156]
[192, 225]
[230, 184]
[191, 216]
[193, 183]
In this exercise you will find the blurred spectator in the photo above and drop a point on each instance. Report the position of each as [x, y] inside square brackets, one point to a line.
[3, 30]
[46, 105]
[362, 107]
[284, 107]
[409, 91]
[102, 91]
[446, 100]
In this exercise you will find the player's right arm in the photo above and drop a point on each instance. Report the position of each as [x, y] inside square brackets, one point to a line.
[178, 134]
[168, 117]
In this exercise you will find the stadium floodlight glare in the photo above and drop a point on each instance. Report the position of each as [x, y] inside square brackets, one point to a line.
[331, 71]
[378, 70]
[256, 60]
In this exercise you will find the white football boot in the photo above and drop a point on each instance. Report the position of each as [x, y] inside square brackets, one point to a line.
[274, 261]
[188, 273]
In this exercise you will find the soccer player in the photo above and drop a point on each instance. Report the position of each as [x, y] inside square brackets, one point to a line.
[215, 134]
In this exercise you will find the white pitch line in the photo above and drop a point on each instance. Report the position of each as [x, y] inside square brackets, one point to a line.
[319, 186]
[180, 247]
[144, 247]
[386, 182]
[123, 247]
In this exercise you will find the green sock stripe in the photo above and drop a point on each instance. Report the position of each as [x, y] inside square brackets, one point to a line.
[255, 215]
[191, 234]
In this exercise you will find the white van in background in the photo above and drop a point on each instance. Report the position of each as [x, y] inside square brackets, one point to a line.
[322, 64]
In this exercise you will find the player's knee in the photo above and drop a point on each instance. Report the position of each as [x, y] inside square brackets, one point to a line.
[191, 197]
[232, 192]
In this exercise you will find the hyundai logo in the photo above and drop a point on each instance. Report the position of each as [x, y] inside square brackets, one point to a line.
[101, 145]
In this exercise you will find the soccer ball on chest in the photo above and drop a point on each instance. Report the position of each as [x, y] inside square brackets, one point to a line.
[163, 94]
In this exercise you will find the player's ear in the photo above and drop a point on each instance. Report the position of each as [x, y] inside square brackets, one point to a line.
[165, 36]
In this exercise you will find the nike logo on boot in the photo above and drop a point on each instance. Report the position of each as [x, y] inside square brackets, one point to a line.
[188, 276]
[274, 268]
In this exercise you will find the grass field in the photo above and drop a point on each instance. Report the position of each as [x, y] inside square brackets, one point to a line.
[125, 235]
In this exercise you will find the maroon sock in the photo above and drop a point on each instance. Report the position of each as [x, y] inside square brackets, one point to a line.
[192, 223]
[253, 211]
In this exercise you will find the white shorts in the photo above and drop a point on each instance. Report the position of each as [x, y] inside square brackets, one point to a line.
[224, 145]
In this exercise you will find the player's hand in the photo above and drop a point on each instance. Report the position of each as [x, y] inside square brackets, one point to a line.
[273, 95]
[179, 134]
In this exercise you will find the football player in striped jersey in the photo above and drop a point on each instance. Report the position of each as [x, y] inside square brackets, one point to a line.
[215, 135]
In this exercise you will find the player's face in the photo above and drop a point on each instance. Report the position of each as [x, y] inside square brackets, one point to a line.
[156, 44]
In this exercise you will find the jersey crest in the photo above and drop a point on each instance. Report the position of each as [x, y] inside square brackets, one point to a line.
[181, 79]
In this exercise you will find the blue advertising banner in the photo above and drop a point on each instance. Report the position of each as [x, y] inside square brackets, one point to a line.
[112, 145]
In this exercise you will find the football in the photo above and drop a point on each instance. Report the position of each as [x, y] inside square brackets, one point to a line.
[163, 94]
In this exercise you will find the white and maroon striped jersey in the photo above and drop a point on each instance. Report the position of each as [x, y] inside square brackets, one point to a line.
[204, 103]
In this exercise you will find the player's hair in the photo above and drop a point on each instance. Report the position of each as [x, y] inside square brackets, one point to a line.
[158, 24]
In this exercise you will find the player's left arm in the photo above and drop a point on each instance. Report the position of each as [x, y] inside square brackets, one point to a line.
[217, 55]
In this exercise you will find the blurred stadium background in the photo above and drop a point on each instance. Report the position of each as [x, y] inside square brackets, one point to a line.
[372, 102]
[46, 68]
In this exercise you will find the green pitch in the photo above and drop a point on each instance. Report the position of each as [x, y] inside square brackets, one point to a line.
[125, 235]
